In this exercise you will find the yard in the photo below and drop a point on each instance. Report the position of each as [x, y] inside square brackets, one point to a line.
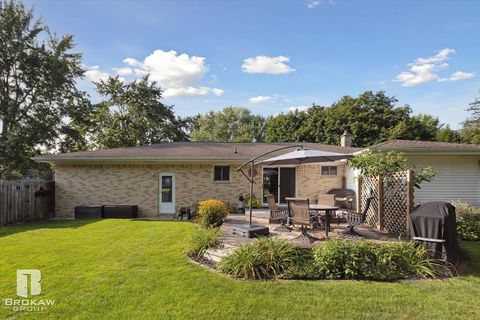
[133, 269]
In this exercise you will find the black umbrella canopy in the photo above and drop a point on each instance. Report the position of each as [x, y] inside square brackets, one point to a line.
[301, 156]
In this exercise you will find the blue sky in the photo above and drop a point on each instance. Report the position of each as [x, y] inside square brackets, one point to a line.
[270, 56]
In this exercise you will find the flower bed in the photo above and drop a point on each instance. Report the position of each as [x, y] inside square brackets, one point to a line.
[270, 258]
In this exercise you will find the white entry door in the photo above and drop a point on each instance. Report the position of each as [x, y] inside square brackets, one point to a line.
[167, 193]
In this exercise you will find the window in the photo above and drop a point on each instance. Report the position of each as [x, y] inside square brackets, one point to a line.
[329, 170]
[221, 173]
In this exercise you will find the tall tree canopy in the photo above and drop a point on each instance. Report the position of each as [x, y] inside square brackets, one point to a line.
[38, 96]
[447, 134]
[370, 117]
[232, 124]
[471, 127]
[286, 127]
[132, 114]
[418, 127]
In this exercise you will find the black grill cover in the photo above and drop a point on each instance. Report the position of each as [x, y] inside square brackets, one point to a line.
[436, 220]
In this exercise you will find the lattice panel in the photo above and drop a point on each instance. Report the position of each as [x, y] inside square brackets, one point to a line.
[395, 202]
[370, 188]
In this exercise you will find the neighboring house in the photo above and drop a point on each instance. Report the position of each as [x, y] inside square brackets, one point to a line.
[162, 178]
[457, 168]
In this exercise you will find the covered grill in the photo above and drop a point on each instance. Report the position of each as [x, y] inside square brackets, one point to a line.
[434, 223]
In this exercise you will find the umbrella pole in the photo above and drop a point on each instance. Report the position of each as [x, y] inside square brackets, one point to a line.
[250, 230]
[251, 190]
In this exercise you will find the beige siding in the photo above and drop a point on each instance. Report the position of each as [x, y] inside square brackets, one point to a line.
[138, 184]
[351, 176]
[458, 178]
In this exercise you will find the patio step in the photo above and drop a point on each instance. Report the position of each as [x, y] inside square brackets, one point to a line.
[215, 254]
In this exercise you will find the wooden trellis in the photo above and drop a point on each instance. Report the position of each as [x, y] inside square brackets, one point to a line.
[391, 203]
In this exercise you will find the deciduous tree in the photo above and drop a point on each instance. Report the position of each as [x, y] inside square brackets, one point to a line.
[38, 94]
[471, 127]
[231, 124]
[132, 114]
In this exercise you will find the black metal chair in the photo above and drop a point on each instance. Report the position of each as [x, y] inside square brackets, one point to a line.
[355, 218]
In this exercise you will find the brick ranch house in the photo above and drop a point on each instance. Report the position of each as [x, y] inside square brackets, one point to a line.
[162, 178]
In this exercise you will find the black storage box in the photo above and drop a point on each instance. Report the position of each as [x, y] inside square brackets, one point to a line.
[120, 211]
[89, 212]
[251, 231]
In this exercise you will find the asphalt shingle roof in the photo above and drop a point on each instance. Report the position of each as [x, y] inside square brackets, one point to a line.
[425, 146]
[189, 151]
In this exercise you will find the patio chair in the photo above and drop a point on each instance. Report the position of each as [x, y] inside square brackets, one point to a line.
[299, 214]
[344, 198]
[329, 199]
[277, 214]
[355, 218]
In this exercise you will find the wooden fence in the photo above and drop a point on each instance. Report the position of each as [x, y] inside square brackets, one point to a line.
[26, 200]
[392, 201]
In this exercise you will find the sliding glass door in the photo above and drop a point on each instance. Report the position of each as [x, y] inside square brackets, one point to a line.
[279, 181]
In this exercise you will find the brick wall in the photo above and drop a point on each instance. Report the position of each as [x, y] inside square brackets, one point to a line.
[310, 181]
[138, 184]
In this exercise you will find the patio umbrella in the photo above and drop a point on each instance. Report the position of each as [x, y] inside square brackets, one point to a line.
[296, 157]
[301, 156]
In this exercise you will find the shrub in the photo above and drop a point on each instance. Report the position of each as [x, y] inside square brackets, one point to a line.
[211, 213]
[256, 203]
[465, 211]
[342, 259]
[201, 240]
[264, 258]
[399, 260]
[194, 210]
[468, 229]
[373, 163]
[303, 267]
[232, 208]
[468, 221]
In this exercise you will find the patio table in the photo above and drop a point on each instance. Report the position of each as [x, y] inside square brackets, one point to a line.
[328, 212]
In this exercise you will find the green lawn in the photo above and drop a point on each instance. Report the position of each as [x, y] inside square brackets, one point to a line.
[121, 269]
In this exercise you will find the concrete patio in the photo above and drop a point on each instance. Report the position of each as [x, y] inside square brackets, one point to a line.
[260, 216]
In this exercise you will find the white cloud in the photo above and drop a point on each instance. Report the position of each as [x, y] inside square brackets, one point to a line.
[218, 92]
[179, 75]
[191, 92]
[312, 4]
[131, 62]
[459, 75]
[170, 69]
[259, 99]
[427, 69]
[295, 108]
[264, 64]
[94, 74]
[442, 55]
[126, 71]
